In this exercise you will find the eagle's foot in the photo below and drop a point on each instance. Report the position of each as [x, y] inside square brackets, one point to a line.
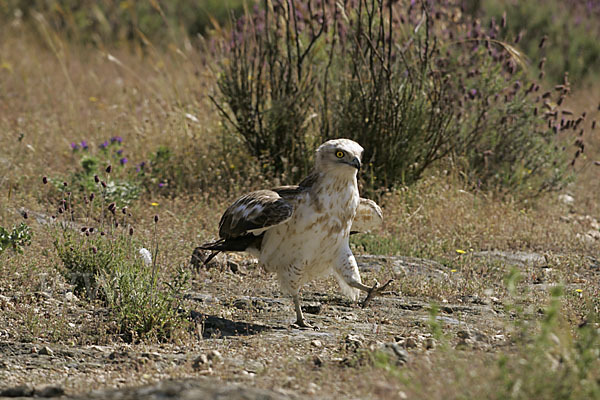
[302, 324]
[375, 290]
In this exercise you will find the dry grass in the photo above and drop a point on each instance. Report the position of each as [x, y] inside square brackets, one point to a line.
[52, 93]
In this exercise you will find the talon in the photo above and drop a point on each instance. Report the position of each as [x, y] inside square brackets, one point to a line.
[304, 325]
[376, 289]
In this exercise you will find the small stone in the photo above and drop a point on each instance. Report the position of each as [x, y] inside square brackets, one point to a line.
[46, 351]
[463, 334]
[429, 343]
[316, 343]
[214, 355]
[201, 362]
[566, 199]
[50, 391]
[70, 296]
[410, 343]
[353, 342]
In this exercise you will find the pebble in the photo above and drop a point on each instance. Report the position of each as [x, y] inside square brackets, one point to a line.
[46, 351]
[316, 343]
[429, 343]
[214, 355]
[70, 296]
[410, 343]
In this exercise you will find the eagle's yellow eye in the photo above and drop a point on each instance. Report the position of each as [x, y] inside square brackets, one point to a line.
[339, 154]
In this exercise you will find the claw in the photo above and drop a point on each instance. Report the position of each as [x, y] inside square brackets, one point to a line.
[376, 289]
[304, 325]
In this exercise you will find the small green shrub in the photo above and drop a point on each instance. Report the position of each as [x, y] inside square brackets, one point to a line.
[15, 239]
[121, 186]
[100, 256]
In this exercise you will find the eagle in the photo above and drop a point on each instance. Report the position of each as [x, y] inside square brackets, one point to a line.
[302, 232]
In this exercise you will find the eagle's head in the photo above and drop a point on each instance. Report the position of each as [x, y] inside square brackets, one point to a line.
[341, 155]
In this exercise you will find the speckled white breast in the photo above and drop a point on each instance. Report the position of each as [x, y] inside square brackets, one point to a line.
[306, 246]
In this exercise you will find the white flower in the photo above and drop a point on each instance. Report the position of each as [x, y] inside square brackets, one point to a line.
[146, 256]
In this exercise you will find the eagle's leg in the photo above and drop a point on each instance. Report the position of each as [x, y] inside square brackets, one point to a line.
[300, 321]
[371, 291]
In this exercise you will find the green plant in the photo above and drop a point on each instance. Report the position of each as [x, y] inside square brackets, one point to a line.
[569, 28]
[15, 239]
[398, 81]
[121, 186]
[101, 258]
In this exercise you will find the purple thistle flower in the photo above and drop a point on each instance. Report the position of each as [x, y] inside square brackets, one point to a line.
[120, 151]
[123, 160]
[161, 184]
[117, 139]
[84, 144]
[74, 146]
[104, 145]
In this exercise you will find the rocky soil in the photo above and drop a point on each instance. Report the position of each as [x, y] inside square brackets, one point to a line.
[245, 348]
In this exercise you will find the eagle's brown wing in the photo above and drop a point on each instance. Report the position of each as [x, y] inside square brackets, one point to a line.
[254, 213]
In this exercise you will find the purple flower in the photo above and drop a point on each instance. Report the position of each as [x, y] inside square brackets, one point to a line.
[161, 184]
[120, 151]
[117, 139]
[74, 146]
[84, 144]
[140, 166]
[104, 145]
[123, 160]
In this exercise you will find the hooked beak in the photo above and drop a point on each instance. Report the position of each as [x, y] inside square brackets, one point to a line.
[355, 163]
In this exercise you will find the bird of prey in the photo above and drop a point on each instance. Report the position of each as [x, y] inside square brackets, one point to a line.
[302, 232]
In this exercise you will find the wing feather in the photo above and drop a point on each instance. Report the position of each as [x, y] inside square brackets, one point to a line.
[368, 217]
[254, 213]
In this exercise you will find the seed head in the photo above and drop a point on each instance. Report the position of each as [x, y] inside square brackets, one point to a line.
[65, 184]
[83, 229]
[44, 180]
[108, 169]
[60, 210]
[103, 184]
[96, 179]
[92, 196]
[24, 214]
[155, 219]
[130, 231]
[124, 210]
[94, 250]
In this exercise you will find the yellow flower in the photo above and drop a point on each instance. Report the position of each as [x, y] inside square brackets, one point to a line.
[578, 290]
[459, 251]
[452, 270]
[154, 204]
[93, 99]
